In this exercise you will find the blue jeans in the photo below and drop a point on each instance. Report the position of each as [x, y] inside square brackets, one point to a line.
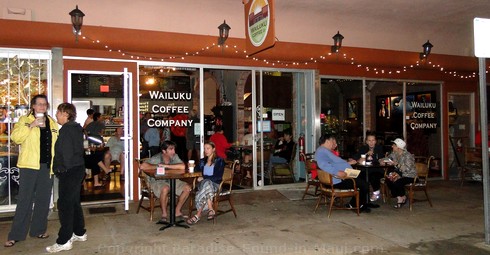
[276, 160]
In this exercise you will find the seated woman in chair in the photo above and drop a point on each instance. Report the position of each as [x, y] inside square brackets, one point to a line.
[95, 162]
[212, 168]
[405, 172]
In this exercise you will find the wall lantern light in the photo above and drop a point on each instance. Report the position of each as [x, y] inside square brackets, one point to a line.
[224, 30]
[77, 22]
[427, 47]
[337, 42]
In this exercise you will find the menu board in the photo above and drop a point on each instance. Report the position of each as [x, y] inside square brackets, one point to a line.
[89, 85]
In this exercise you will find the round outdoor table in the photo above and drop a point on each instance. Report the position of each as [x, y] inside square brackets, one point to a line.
[172, 178]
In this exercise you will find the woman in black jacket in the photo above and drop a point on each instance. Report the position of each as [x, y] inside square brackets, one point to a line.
[69, 167]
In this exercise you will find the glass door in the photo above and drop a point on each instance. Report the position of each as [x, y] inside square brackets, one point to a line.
[274, 116]
[108, 95]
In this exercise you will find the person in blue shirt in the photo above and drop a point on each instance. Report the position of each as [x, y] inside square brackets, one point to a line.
[334, 165]
[212, 168]
[152, 136]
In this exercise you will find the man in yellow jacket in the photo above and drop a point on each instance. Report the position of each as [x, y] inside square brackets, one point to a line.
[36, 133]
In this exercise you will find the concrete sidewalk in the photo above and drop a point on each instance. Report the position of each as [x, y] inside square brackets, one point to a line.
[270, 223]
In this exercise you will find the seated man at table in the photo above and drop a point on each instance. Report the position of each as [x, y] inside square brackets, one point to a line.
[334, 165]
[173, 165]
[283, 149]
[116, 148]
[373, 152]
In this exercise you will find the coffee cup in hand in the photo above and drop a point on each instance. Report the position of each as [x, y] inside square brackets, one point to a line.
[40, 119]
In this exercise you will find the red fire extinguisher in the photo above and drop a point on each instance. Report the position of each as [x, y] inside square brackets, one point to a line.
[301, 145]
[459, 145]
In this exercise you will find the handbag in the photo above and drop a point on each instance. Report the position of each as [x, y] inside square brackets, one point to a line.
[393, 176]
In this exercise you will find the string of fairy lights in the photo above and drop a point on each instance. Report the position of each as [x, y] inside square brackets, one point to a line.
[281, 63]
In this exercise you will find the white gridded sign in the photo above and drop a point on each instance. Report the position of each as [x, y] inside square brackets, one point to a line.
[482, 37]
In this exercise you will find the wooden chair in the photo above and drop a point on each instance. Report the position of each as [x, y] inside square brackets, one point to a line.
[146, 192]
[284, 171]
[224, 193]
[264, 158]
[384, 187]
[473, 165]
[115, 166]
[420, 182]
[328, 191]
[310, 165]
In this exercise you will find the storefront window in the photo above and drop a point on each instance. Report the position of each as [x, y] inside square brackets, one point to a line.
[384, 108]
[23, 74]
[342, 113]
[168, 96]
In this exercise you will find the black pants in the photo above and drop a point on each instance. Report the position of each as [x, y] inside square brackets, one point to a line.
[398, 188]
[362, 186]
[69, 208]
[92, 161]
[375, 175]
[34, 188]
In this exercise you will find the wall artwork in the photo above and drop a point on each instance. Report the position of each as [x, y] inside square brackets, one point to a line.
[352, 108]
[383, 107]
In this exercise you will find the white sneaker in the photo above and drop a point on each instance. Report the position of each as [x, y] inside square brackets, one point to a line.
[75, 238]
[374, 196]
[59, 247]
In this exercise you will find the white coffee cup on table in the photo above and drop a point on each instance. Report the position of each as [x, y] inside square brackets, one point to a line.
[363, 159]
[191, 165]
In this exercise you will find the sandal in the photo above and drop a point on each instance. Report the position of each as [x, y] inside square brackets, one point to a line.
[185, 217]
[43, 236]
[9, 243]
[163, 220]
[106, 177]
[193, 220]
[211, 214]
[400, 205]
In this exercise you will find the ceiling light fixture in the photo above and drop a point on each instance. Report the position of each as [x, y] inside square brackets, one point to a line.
[77, 22]
[224, 30]
[337, 42]
[427, 47]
